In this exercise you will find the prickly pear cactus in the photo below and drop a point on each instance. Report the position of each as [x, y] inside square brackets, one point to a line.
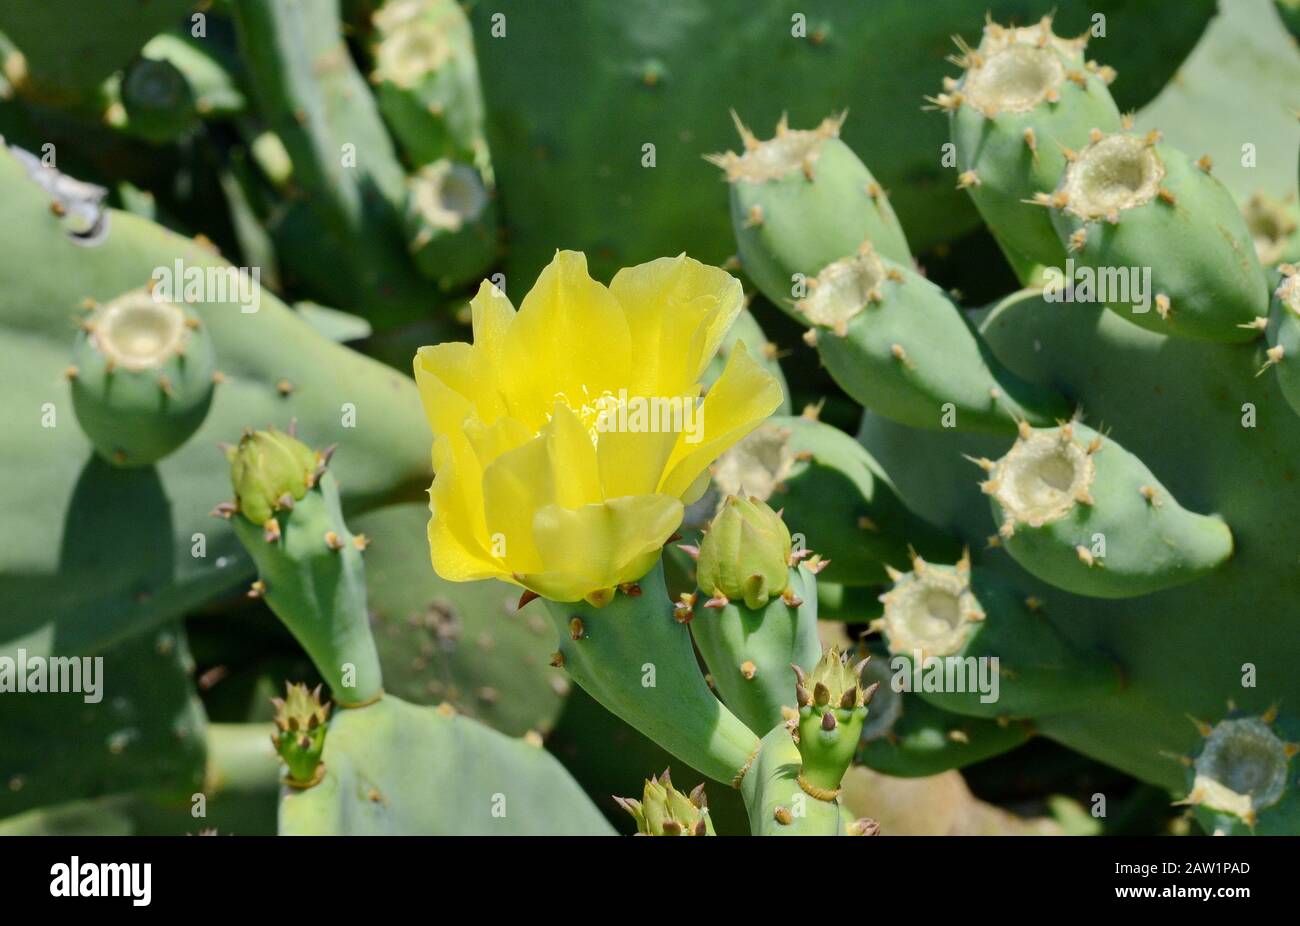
[976, 459]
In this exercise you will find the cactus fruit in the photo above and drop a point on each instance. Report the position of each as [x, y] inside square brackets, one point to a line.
[1127, 204]
[142, 377]
[755, 611]
[998, 657]
[665, 811]
[299, 737]
[174, 81]
[1025, 98]
[426, 79]
[832, 709]
[1240, 776]
[799, 201]
[287, 515]
[894, 342]
[1079, 511]
[450, 223]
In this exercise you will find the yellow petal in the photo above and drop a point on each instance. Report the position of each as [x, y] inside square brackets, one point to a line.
[632, 462]
[458, 536]
[492, 315]
[569, 340]
[601, 546]
[490, 441]
[737, 403]
[515, 485]
[678, 311]
[445, 377]
[571, 456]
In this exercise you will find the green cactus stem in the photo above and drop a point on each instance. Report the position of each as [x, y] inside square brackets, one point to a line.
[755, 611]
[1141, 213]
[450, 223]
[142, 377]
[665, 811]
[1079, 511]
[1025, 97]
[776, 803]
[1241, 777]
[895, 343]
[286, 513]
[801, 200]
[967, 642]
[299, 737]
[635, 657]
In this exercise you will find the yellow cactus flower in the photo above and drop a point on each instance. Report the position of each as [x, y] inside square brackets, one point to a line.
[570, 435]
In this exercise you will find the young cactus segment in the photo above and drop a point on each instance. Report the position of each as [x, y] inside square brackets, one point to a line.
[801, 200]
[829, 489]
[832, 709]
[1166, 245]
[968, 643]
[1283, 353]
[665, 811]
[895, 343]
[1079, 511]
[1025, 99]
[755, 611]
[287, 515]
[142, 378]
[635, 657]
[451, 228]
[1241, 778]
[776, 803]
[299, 737]
[426, 78]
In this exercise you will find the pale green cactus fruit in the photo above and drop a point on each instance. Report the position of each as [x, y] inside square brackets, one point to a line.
[426, 81]
[975, 646]
[896, 343]
[665, 811]
[1166, 242]
[142, 377]
[1077, 510]
[450, 221]
[801, 200]
[1024, 99]
[1241, 777]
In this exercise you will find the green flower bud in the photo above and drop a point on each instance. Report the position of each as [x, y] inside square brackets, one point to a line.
[271, 470]
[299, 736]
[665, 811]
[832, 711]
[746, 553]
